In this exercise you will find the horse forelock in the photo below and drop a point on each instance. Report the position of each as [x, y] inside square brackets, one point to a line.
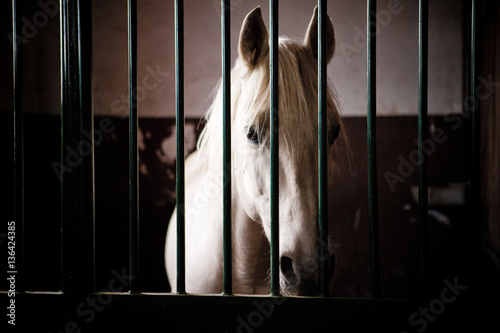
[250, 103]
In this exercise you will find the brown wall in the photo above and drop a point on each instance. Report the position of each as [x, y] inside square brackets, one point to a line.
[397, 54]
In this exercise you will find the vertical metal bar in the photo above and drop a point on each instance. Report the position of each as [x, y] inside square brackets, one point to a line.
[372, 146]
[18, 214]
[63, 30]
[475, 153]
[226, 138]
[473, 82]
[422, 135]
[323, 148]
[85, 63]
[77, 187]
[475, 107]
[133, 149]
[274, 114]
[180, 177]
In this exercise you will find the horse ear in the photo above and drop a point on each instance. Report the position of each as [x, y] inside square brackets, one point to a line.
[311, 39]
[254, 39]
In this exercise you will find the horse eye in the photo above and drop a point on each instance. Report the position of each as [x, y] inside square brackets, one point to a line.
[252, 136]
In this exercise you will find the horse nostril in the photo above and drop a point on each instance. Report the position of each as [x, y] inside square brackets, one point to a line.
[287, 267]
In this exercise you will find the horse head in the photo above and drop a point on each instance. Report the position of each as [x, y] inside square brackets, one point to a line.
[298, 143]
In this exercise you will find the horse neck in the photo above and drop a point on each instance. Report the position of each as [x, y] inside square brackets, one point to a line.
[250, 253]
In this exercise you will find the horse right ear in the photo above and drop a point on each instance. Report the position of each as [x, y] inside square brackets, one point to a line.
[254, 39]
[311, 40]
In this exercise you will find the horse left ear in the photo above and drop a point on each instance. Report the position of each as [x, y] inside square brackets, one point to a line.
[311, 39]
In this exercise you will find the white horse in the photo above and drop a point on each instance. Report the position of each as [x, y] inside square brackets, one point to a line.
[298, 184]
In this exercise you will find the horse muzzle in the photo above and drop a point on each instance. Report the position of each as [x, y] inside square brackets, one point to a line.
[303, 279]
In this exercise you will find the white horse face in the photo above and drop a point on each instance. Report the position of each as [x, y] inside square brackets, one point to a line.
[298, 147]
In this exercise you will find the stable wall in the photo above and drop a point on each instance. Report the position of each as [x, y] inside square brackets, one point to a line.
[397, 56]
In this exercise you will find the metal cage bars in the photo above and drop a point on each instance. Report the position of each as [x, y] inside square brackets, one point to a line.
[423, 51]
[226, 141]
[180, 178]
[274, 144]
[77, 188]
[133, 181]
[18, 151]
[372, 144]
[475, 150]
[322, 150]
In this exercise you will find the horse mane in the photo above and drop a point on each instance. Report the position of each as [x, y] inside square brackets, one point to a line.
[250, 104]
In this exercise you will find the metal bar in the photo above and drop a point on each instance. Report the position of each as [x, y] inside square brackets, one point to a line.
[274, 123]
[274, 114]
[475, 107]
[323, 148]
[372, 146]
[473, 82]
[133, 149]
[475, 153]
[180, 177]
[422, 135]
[226, 138]
[64, 93]
[18, 213]
[294, 314]
[77, 187]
